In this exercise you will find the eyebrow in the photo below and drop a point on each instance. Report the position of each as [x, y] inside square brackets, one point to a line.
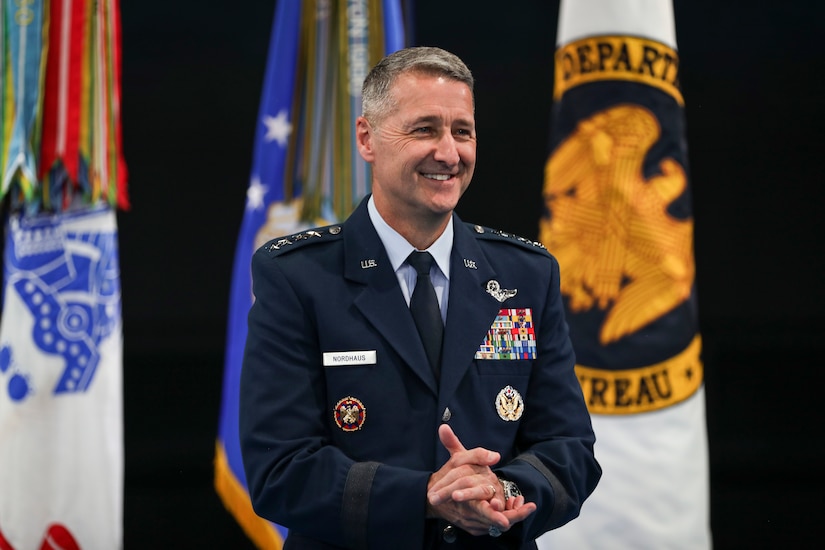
[435, 119]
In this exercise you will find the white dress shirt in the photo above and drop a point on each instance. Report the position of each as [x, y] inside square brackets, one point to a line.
[398, 249]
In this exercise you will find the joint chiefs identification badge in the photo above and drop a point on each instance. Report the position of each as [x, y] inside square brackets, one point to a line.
[509, 404]
[350, 414]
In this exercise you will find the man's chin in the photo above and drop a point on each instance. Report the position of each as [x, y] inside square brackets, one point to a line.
[442, 206]
[448, 195]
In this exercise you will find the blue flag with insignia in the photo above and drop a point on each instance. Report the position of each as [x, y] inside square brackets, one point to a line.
[306, 171]
[619, 220]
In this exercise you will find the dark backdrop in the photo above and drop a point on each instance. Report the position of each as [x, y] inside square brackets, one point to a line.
[752, 76]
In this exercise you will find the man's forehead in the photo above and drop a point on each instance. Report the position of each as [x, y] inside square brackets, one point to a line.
[409, 93]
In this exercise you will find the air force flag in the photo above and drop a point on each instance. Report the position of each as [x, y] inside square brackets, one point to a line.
[306, 171]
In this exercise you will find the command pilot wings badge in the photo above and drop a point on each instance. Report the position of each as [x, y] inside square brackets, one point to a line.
[494, 289]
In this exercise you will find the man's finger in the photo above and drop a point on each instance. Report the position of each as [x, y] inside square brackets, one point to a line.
[521, 513]
[478, 456]
[449, 439]
[484, 491]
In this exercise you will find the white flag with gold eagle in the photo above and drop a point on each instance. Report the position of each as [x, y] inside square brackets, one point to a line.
[619, 221]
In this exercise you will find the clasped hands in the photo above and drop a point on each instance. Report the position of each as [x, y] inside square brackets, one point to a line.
[466, 492]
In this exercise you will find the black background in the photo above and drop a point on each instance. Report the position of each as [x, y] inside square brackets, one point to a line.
[752, 77]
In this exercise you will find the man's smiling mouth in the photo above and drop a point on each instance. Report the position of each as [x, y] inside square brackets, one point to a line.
[439, 177]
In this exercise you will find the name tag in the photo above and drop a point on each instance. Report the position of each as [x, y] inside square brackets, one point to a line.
[346, 358]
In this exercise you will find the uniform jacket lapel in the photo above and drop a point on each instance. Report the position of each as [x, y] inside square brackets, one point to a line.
[471, 310]
[377, 294]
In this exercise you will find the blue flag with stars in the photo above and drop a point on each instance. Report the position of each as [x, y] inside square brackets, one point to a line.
[306, 171]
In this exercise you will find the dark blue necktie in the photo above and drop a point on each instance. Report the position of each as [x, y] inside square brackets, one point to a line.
[425, 310]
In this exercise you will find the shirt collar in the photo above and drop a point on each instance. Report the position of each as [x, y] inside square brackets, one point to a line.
[398, 249]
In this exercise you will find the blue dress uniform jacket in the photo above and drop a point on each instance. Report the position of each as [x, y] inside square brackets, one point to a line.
[341, 453]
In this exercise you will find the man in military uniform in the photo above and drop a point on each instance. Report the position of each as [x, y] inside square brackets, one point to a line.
[408, 379]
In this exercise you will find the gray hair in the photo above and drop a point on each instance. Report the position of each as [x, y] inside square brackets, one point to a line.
[376, 99]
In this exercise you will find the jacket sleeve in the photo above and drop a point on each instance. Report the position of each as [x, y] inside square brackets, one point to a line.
[555, 466]
[295, 475]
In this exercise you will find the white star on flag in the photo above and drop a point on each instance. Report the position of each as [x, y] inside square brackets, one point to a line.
[255, 194]
[277, 128]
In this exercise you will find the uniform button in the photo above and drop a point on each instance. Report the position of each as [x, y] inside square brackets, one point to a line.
[449, 534]
[447, 415]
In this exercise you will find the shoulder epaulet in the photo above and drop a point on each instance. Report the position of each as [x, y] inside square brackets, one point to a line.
[487, 233]
[302, 238]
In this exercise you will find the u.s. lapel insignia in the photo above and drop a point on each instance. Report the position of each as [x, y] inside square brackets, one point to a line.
[350, 414]
[509, 404]
[494, 289]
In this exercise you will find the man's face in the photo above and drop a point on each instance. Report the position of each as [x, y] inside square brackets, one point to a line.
[423, 153]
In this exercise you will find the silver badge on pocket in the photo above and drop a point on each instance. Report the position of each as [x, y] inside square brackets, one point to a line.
[509, 404]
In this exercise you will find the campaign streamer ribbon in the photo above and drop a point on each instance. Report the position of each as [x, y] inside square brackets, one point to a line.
[110, 105]
[24, 23]
[59, 155]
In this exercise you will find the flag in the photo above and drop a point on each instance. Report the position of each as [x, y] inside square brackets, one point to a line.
[21, 49]
[61, 345]
[306, 171]
[61, 378]
[619, 220]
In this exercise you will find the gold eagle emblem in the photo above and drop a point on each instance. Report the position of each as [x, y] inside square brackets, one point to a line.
[509, 404]
[618, 247]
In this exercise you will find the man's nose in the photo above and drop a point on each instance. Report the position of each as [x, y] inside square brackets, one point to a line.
[446, 150]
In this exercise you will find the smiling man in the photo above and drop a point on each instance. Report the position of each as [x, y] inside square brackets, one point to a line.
[421, 143]
[408, 378]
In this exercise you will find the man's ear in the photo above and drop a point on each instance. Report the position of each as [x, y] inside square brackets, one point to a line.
[363, 138]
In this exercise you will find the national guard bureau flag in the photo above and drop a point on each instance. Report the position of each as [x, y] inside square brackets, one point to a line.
[618, 219]
[306, 171]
